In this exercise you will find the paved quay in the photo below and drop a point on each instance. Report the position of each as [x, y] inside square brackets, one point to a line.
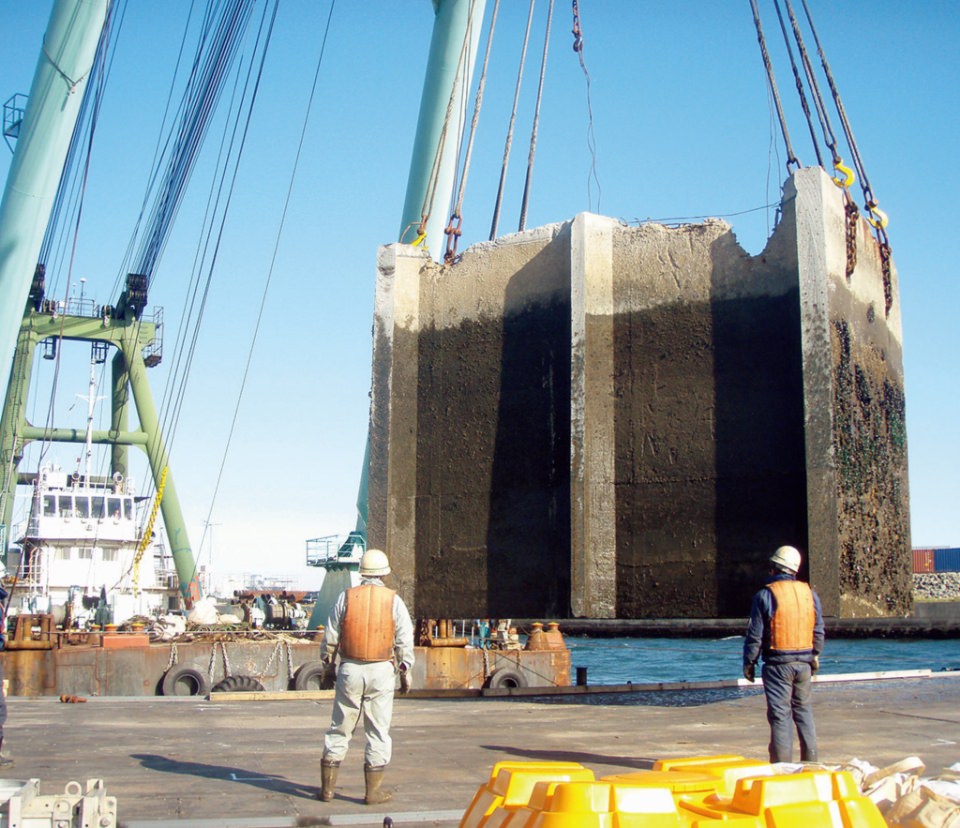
[256, 764]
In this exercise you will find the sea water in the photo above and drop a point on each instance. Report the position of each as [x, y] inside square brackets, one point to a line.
[651, 660]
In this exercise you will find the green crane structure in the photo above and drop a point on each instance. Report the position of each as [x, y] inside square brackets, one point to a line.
[43, 131]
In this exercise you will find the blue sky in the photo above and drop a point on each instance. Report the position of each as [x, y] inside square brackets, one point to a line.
[683, 129]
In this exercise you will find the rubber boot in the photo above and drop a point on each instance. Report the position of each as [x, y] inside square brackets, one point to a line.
[328, 779]
[5, 761]
[373, 776]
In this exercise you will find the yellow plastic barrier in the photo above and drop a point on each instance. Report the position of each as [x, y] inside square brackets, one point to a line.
[511, 784]
[727, 769]
[699, 792]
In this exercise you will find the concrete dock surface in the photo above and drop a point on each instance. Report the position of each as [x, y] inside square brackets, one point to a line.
[256, 764]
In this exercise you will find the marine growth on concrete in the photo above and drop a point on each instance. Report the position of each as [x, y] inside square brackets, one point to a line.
[596, 420]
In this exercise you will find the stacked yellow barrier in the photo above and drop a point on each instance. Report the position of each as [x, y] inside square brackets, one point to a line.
[698, 792]
[511, 785]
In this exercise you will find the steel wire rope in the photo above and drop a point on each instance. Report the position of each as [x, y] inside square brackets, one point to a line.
[191, 82]
[199, 96]
[680, 219]
[771, 80]
[192, 349]
[184, 361]
[869, 198]
[513, 118]
[591, 136]
[159, 151]
[433, 180]
[843, 176]
[798, 81]
[453, 232]
[198, 105]
[192, 311]
[203, 84]
[773, 154]
[173, 399]
[536, 122]
[828, 135]
[219, 238]
[199, 101]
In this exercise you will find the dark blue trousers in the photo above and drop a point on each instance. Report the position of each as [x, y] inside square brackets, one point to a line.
[788, 688]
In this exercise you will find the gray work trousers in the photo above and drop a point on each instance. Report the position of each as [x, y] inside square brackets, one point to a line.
[363, 688]
[788, 688]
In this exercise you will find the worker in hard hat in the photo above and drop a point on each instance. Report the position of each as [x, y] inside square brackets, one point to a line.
[371, 630]
[786, 627]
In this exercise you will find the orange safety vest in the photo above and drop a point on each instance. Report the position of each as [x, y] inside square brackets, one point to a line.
[791, 627]
[366, 629]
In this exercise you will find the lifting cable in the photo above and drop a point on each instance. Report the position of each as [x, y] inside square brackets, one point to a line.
[453, 229]
[591, 139]
[844, 177]
[876, 217]
[513, 118]
[824, 118]
[536, 122]
[218, 218]
[199, 104]
[799, 83]
[430, 192]
[266, 287]
[196, 108]
[792, 160]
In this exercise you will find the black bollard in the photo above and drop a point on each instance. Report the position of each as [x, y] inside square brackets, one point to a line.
[581, 676]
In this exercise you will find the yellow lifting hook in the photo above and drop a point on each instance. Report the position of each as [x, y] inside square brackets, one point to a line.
[846, 178]
[877, 217]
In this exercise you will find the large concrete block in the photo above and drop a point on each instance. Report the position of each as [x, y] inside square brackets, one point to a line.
[611, 421]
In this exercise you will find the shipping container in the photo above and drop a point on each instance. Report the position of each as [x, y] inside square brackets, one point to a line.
[923, 560]
[946, 560]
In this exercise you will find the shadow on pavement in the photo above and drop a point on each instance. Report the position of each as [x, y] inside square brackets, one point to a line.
[242, 776]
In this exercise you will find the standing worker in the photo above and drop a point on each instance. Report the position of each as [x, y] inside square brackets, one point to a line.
[368, 624]
[786, 626]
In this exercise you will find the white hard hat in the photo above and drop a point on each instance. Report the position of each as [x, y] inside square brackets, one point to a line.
[374, 563]
[786, 557]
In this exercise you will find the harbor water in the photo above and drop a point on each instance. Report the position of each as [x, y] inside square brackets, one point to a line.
[652, 660]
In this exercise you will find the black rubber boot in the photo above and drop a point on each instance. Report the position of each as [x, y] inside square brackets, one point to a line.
[373, 776]
[328, 779]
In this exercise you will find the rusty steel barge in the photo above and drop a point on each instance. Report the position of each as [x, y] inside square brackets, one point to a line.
[40, 660]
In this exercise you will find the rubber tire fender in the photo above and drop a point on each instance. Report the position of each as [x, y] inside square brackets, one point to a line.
[178, 679]
[506, 677]
[237, 684]
[312, 675]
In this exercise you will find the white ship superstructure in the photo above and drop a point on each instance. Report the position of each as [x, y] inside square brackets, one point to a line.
[83, 540]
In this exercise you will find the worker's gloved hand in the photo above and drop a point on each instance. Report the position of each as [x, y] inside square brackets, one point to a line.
[749, 672]
[814, 665]
[404, 680]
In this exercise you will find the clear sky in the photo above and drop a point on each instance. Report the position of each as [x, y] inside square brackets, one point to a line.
[683, 128]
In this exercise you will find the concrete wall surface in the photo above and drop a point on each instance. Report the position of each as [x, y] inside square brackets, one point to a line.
[596, 420]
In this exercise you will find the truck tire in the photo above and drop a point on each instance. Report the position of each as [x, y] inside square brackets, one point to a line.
[237, 684]
[313, 675]
[184, 681]
[506, 677]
